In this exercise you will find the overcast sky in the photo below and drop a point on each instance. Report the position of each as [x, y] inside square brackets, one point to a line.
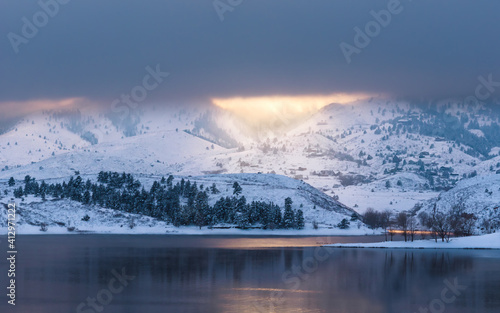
[98, 50]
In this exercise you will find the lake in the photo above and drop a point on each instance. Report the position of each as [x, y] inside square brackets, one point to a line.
[149, 274]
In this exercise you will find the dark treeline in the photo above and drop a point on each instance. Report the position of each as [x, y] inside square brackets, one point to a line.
[454, 222]
[182, 203]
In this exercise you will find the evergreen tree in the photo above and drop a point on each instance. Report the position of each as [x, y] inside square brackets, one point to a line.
[344, 224]
[35, 188]
[276, 217]
[241, 204]
[214, 190]
[155, 187]
[28, 185]
[78, 182]
[102, 177]
[300, 219]
[229, 210]
[219, 212]
[354, 217]
[237, 189]
[88, 184]
[242, 220]
[27, 179]
[199, 219]
[288, 215]
[182, 185]
[149, 206]
[170, 179]
[192, 191]
[86, 197]
[253, 213]
[187, 188]
[202, 209]
[266, 216]
[12, 182]
[18, 193]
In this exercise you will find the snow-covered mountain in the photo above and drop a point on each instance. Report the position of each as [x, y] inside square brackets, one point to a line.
[377, 153]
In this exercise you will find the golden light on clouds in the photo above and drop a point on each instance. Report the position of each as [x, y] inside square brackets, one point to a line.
[18, 108]
[281, 110]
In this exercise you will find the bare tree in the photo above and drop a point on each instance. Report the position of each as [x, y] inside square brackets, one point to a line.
[461, 222]
[375, 219]
[402, 222]
[392, 226]
[427, 221]
[385, 221]
[412, 227]
[441, 226]
[371, 218]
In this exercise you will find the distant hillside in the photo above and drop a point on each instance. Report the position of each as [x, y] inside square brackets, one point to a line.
[479, 196]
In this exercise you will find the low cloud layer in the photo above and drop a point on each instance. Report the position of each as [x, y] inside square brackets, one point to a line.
[99, 50]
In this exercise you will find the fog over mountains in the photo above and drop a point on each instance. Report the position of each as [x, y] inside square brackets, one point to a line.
[377, 153]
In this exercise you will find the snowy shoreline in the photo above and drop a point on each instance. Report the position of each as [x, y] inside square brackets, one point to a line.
[187, 230]
[487, 242]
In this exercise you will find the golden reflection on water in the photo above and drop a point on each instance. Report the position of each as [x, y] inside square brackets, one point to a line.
[275, 300]
[257, 243]
[277, 290]
[285, 242]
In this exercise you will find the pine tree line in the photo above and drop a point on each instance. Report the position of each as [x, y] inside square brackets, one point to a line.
[182, 203]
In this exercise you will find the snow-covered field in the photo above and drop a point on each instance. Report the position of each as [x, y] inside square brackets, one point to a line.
[377, 196]
[490, 241]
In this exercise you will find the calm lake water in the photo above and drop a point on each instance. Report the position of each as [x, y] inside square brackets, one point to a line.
[236, 274]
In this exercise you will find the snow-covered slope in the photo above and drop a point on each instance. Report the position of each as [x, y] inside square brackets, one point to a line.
[376, 153]
[275, 188]
[479, 196]
[58, 214]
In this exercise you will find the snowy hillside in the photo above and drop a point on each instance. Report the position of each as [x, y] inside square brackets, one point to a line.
[58, 214]
[479, 196]
[377, 153]
[275, 188]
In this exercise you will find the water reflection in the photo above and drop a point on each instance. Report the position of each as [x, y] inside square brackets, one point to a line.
[182, 274]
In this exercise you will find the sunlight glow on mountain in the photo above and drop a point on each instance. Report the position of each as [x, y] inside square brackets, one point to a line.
[279, 110]
[15, 108]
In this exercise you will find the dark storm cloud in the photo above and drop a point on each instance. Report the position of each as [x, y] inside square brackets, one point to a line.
[99, 50]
